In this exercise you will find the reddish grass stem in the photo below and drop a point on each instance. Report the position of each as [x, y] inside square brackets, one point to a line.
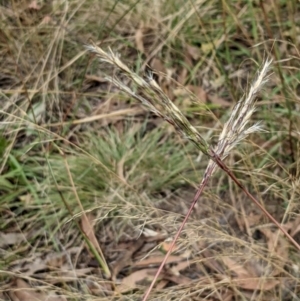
[222, 165]
[206, 177]
[195, 199]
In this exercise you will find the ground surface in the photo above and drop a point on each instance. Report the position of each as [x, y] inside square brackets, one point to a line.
[93, 187]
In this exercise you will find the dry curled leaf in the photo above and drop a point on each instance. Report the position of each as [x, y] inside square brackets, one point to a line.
[158, 66]
[30, 267]
[193, 51]
[199, 92]
[139, 35]
[132, 281]
[178, 279]
[165, 246]
[10, 239]
[87, 225]
[126, 256]
[245, 279]
[34, 5]
[293, 226]
[278, 248]
[156, 260]
[22, 291]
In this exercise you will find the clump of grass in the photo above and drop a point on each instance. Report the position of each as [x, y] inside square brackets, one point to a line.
[235, 130]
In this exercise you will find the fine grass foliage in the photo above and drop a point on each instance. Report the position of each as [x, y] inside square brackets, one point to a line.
[130, 170]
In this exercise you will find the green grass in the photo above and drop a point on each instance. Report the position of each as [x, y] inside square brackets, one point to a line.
[132, 171]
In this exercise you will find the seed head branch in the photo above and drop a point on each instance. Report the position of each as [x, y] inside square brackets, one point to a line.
[156, 100]
[235, 129]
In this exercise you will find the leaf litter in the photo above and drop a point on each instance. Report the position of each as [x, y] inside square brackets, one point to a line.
[132, 270]
[22, 291]
[128, 270]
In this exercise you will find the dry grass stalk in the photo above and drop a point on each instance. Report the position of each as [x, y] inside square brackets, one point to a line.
[157, 101]
[234, 131]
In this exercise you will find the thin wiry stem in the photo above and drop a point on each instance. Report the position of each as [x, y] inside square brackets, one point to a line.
[207, 175]
[194, 202]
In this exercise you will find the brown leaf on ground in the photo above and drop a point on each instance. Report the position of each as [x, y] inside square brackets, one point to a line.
[10, 239]
[178, 279]
[55, 261]
[160, 70]
[65, 275]
[180, 266]
[163, 76]
[158, 66]
[193, 51]
[183, 73]
[278, 248]
[199, 92]
[215, 99]
[22, 291]
[156, 260]
[186, 92]
[182, 76]
[211, 262]
[34, 5]
[46, 20]
[245, 279]
[39, 261]
[227, 296]
[246, 221]
[126, 256]
[256, 283]
[165, 247]
[94, 78]
[99, 288]
[235, 267]
[87, 225]
[293, 227]
[30, 266]
[132, 281]
[139, 35]
[162, 284]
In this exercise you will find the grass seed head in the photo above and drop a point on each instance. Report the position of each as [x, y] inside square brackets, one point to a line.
[155, 100]
[235, 129]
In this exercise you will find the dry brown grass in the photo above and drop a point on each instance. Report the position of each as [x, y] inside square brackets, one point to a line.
[129, 169]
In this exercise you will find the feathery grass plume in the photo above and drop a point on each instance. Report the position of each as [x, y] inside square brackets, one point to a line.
[235, 129]
[157, 101]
